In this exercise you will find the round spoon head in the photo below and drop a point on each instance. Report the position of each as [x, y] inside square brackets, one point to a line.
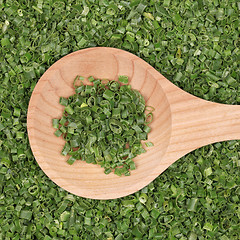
[88, 180]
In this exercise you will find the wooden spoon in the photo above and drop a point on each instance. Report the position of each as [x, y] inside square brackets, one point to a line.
[182, 122]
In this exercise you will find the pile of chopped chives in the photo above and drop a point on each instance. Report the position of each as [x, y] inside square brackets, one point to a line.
[104, 124]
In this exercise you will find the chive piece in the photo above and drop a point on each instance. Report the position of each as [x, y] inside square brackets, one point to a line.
[149, 109]
[149, 118]
[108, 94]
[62, 120]
[69, 110]
[17, 112]
[107, 171]
[123, 79]
[149, 144]
[91, 79]
[146, 129]
[83, 105]
[58, 133]
[63, 129]
[71, 160]
[55, 123]
[63, 101]
[26, 214]
[66, 149]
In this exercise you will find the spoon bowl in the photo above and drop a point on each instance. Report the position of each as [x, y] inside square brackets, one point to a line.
[181, 123]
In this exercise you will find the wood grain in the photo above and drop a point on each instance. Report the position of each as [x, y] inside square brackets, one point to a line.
[182, 122]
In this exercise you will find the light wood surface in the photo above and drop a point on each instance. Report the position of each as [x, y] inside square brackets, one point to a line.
[182, 122]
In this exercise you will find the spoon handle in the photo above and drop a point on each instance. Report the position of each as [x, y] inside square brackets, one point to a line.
[196, 122]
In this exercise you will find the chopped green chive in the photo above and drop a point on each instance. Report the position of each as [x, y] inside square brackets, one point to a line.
[25, 214]
[71, 160]
[69, 110]
[58, 133]
[63, 101]
[187, 201]
[123, 79]
[149, 144]
[55, 123]
[91, 79]
[98, 123]
[108, 94]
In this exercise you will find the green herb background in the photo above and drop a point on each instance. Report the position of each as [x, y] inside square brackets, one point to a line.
[195, 44]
